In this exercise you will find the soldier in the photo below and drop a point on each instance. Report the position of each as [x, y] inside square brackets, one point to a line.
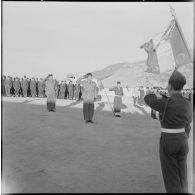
[142, 94]
[11, 80]
[25, 86]
[62, 90]
[37, 90]
[77, 91]
[16, 86]
[175, 118]
[135, 95]
[66, 91]
[118, 90]
[28, 88]
[3, 92]
[33, 87]
[20, 90]
[70, 90]
[89, 95]
[7, 86]
[41, 88]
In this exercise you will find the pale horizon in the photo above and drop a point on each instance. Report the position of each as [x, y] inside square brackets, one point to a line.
[78, 37]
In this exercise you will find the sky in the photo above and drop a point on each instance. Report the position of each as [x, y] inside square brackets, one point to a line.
[79, 37]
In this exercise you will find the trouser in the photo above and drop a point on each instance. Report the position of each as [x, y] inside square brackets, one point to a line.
[16, 91]
[33, 92]
[173, 156]
[40, 92]
[24, 92]
[7, 89]
[88, 110]
[62, 94]
[70, 94]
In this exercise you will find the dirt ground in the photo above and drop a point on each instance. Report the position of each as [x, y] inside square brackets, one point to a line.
[57, 152]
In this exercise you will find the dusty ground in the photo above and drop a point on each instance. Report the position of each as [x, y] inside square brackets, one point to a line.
[59, 153]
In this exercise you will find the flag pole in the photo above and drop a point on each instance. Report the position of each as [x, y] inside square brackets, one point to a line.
[107, 98]
[180, 30]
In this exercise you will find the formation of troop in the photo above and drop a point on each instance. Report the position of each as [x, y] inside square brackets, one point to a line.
[25, 87]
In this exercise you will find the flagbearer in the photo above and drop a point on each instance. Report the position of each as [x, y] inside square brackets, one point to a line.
[89, 95]
[175, 118]
[118, 90]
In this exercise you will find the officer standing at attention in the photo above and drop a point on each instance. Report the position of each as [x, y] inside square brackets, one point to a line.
[175, 114]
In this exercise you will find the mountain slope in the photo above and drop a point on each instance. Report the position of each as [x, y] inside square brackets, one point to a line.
[133, 74]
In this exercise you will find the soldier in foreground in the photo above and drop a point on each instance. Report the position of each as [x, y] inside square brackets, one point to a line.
[89, 95]
[118, 90]
[175, 114]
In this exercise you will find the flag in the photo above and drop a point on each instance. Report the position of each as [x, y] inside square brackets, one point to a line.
[180, 50]
[167, 53]
[165, 56]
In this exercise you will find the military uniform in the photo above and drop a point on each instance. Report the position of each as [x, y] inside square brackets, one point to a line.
[77, 91]
[16, 86]
[70, 90]
[117, 99]
[89, 94]
[62, 90]
[24, 87]
[175, 113]
[33, 87]
[41, 88]
[3, 91]
[141, 97]
[7, 84]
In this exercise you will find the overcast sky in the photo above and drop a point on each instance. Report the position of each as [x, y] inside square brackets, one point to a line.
[79, 37]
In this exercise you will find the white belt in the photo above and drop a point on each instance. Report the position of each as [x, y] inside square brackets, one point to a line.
[172, 130]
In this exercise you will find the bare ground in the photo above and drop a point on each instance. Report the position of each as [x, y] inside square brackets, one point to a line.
[57, 152]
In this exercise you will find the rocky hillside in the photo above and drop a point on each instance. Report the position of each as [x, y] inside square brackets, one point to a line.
[133, 74]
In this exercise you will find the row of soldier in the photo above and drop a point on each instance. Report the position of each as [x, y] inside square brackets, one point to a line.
[25, 87]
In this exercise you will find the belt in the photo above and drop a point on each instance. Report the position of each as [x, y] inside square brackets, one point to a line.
[172, 130]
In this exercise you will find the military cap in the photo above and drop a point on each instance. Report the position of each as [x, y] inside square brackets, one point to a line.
[177, 80]
[88, 74]
[177, 77]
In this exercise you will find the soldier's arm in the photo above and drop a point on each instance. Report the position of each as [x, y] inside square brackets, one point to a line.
[155, 103]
